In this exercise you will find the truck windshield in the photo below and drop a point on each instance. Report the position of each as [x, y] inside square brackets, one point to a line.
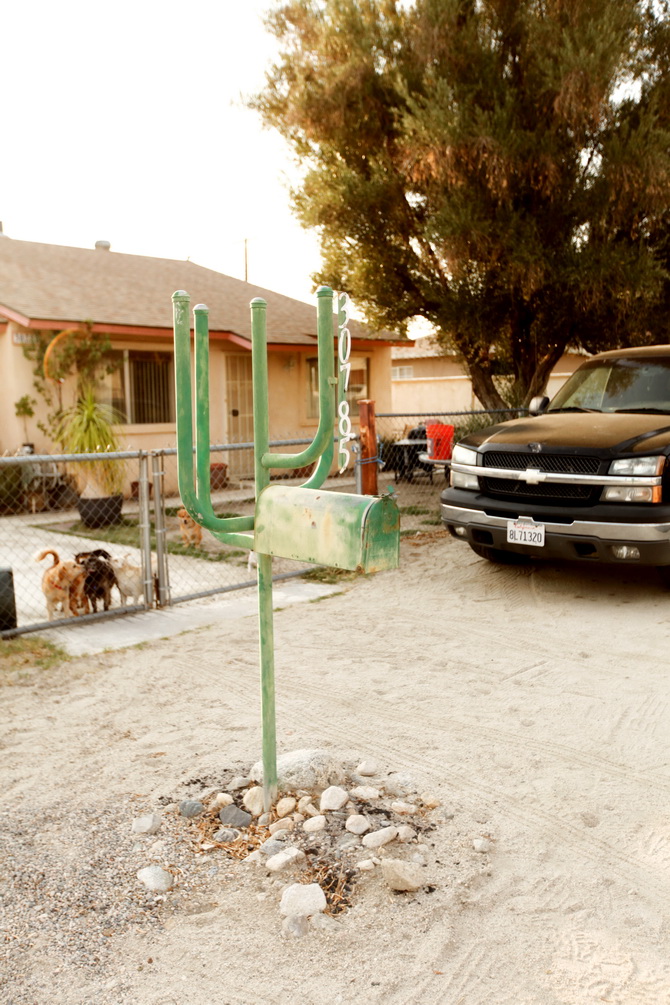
[617, 385]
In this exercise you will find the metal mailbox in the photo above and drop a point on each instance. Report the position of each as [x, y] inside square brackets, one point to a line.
[330, 528]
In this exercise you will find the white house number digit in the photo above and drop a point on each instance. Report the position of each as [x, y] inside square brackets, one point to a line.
[343, 353]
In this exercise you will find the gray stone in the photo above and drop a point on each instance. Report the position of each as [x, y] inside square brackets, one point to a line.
[287, 858]
[155, 879]
[285, 806]
[295, 926]
[324, 923]
[285, 824]
[406, 877]
[305, 769]
[223, 799]
[481, 845]
[191, 808]
[368, 767]
[233, 816]
[398, 783]
[406, 833]
[264, 819]
[314, 824]
[253, 800]
[333, 798]
[271, 847]
[238, 782]
[365, 792]
[149, 824]
[375, 839]
[303, 898]
[226, 835]
[366, 865]
[357, 824]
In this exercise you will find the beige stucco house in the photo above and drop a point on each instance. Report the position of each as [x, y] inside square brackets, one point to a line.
[424, 379]
[48, 288]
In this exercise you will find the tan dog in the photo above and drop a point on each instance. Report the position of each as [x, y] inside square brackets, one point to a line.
[191, 532]
[63, 586]
[128, 578]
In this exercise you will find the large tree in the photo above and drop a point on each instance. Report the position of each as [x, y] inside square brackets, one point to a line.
[500, 168]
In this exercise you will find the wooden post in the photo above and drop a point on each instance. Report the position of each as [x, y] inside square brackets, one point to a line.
[368, 447]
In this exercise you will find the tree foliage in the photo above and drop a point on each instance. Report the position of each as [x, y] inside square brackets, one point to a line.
[498, 167]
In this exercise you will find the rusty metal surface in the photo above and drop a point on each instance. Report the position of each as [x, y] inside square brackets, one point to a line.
[339, 529]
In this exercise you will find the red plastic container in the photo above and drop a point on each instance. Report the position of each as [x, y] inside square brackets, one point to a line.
[440, 441]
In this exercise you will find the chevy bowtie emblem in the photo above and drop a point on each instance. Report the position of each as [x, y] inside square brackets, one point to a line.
[535, 447]
[533, 476]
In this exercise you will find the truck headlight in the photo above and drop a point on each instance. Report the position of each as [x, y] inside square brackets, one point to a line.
[648, 466]
[629, 493]
[462, 479]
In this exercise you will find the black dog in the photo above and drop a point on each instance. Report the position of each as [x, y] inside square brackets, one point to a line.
[100, 576]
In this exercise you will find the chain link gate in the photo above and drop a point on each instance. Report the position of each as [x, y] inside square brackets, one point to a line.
[164, 560]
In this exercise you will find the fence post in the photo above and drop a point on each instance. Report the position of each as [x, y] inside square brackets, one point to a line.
[162, 571]
[368, 459]
[145, 528]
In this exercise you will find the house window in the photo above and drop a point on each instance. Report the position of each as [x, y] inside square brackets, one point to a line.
[359, 384]
[141, 389]
[402, 372]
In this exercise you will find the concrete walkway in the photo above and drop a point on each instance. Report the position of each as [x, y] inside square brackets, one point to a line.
[134, 629]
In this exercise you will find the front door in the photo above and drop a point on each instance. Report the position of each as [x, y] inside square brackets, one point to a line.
[240, 413]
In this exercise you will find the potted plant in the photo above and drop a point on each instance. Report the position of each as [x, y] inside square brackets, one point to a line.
[25, 409]
[87, 427]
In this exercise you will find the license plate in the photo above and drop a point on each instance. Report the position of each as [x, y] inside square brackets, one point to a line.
[519, 532]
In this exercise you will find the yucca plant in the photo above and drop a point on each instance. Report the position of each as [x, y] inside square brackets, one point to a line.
[87, 427]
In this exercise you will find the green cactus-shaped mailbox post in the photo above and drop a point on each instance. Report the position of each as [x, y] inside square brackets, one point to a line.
[307, 523]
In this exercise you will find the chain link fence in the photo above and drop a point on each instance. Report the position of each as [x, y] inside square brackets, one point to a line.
[403, 442]
[57, 537]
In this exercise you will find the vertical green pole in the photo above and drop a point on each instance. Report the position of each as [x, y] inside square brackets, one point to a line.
[262, 474]
[201, 339]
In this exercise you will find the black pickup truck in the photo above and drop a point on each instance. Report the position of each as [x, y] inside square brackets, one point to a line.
[583, 477]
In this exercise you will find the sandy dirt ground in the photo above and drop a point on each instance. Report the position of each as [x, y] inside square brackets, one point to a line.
[532, 700]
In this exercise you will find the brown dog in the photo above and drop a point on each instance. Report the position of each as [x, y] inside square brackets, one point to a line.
[99, 577]
[63, 586]
[191, 532]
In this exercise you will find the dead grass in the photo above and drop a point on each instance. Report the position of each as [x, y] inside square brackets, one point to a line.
[24, 657]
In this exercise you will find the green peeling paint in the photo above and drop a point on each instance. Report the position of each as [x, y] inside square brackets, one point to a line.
[336, 529]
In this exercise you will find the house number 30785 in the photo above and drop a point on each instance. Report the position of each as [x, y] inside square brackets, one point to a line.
[345, 433]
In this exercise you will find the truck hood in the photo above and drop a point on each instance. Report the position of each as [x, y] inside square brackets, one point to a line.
[618, 432]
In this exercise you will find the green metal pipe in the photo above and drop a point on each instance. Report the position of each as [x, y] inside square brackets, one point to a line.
[327, 382]
[259, 364]
[267, 657]
[194, 484]
[259, 374]
[201, 339]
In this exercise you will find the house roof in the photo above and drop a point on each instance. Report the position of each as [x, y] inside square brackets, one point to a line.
[51, 286]
[423, 348]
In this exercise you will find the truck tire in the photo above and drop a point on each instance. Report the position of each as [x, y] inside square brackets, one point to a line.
[498, 556]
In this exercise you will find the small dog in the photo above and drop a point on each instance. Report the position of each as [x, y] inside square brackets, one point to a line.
[100, 576]
[128, 578]
[191, 532]
[63, 586]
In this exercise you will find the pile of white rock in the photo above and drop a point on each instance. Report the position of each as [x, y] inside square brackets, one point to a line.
[354, 820]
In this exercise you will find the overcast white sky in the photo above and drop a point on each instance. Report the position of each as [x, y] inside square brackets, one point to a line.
[123, 122]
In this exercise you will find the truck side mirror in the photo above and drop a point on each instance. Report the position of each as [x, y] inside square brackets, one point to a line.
[538, 405]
